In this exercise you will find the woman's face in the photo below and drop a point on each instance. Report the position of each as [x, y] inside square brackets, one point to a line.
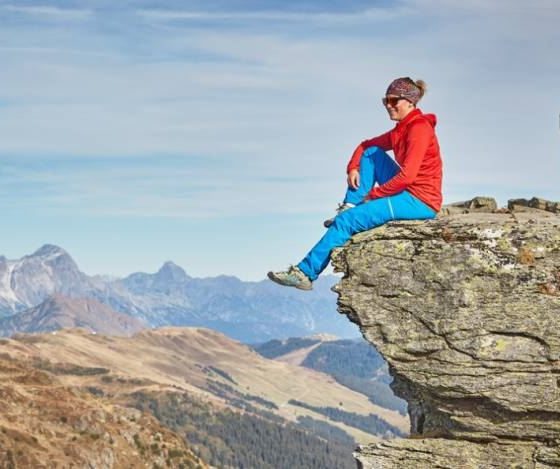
[397, 107]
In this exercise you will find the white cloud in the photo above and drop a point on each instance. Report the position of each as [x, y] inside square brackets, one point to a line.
[159, 189]
[331, 18]
[48, 12]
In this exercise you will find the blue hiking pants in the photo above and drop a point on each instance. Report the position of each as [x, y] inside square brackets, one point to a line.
[376, 166]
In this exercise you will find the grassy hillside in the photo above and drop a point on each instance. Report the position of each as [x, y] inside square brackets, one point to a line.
[353, 363]
[277, 348]
[253, 402]
[44, 421]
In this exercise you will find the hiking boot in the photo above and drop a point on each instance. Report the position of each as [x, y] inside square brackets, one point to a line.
[341, 208]
[293, 277]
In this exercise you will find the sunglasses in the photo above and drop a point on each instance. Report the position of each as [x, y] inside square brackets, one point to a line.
[391, 100]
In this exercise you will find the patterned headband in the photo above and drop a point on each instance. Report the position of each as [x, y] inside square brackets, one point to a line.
[405, 88]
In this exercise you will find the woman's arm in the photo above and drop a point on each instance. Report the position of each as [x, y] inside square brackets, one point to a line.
[418, 139]
[382, 141]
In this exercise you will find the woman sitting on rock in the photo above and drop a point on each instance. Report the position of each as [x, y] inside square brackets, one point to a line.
[407, 189]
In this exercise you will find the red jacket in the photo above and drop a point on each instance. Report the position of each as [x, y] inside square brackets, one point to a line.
[416, 149]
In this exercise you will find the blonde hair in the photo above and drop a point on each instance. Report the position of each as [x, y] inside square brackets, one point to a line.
[422, 86]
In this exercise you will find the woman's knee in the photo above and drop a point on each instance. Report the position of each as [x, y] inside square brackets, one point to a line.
[343, 222]
[372, 152]
[351, 221]
[364, 217]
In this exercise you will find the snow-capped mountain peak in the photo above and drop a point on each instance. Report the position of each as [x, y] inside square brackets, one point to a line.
[28, 281]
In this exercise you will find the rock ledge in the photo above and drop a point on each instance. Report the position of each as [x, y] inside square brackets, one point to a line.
[465, 309]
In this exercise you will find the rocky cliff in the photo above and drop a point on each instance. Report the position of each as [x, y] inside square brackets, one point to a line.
[465, 309]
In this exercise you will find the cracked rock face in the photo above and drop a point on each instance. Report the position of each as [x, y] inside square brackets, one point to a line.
[466, 310]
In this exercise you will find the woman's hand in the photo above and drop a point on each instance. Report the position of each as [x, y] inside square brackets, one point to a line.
[354, 179]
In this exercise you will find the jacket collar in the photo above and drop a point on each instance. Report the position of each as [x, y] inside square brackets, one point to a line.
[410, 116]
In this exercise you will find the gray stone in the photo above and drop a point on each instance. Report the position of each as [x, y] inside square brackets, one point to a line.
[534, 203]
[477, 204]
[465, 309]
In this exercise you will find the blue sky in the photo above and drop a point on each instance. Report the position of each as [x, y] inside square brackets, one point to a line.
[216, 133]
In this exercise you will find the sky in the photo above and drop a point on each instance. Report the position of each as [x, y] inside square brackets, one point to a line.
[216, 133]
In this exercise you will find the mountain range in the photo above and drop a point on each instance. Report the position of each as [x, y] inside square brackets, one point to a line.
[247, 311]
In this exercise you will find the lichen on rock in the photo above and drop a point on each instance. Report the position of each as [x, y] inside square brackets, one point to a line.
[465, 308]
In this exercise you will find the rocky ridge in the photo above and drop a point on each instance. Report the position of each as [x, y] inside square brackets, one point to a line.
[58, 312]
[465, 310]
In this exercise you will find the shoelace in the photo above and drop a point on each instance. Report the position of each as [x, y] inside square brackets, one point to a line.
[292, 269]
